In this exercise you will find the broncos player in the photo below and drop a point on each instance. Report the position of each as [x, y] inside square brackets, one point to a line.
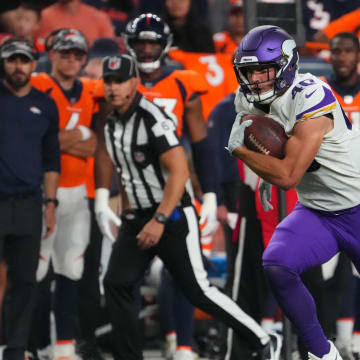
[321, 161]
[77, 108]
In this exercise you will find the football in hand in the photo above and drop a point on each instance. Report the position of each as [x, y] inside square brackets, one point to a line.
[265, 136]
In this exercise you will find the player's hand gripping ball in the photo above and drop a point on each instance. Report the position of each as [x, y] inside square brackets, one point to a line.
[265, 136]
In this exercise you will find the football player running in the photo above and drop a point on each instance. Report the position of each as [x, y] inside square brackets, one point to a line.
[77, 108]
[321, 161]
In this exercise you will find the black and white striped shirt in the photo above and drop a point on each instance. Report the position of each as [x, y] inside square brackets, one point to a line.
[135, 140]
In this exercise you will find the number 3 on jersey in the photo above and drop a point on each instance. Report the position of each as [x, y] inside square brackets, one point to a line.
[74, 119]
[168, 105]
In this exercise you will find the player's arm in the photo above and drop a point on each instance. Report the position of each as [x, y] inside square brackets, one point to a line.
[300, 151]
[83, 149]
[203, 155]
[103, 169]
[79, 141]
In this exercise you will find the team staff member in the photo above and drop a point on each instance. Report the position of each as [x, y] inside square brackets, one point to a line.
[29, 157]
[77, 108]
[158, 217]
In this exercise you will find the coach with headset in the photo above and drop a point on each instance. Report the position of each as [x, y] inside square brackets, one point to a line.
[29, 157]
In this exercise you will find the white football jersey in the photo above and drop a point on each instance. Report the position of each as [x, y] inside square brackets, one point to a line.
[335, 184]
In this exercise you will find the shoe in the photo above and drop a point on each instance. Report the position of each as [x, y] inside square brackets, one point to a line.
[184, 354]
[89, 351]
[333, 354]
[170, 346]
[272, 349]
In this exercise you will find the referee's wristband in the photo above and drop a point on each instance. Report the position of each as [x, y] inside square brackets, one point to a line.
[85, 132]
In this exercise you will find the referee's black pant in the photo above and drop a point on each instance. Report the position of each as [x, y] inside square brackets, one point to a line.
[179, 248]
[20, 234]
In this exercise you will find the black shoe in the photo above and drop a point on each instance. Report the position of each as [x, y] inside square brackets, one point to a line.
[272, 350]
[89, 351]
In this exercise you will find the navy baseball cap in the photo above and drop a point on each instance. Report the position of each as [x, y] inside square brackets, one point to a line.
[121, 66]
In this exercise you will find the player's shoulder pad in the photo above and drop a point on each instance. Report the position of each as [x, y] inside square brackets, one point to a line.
[192, 79]
[313, 97]
[40, 80]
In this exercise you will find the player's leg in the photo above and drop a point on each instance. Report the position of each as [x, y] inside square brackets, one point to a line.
[68, 260]
[302, 240]
[126, 269]
[180, 251]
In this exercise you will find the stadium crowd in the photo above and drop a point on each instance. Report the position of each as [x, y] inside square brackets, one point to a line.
[103, 212]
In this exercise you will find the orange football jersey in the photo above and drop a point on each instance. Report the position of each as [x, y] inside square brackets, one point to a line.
[171, 93]
[216, 69]
[71, 114]
[224, 43]
[350, 104]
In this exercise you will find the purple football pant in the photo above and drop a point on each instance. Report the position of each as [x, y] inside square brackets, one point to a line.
[306, 238]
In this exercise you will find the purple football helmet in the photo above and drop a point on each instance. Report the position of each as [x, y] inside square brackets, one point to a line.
[266, 45]
[148, 27]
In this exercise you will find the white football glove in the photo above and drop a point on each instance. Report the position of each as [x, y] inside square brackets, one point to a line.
[265, 190]
[237, 135]
[104, 214]
[208, 213]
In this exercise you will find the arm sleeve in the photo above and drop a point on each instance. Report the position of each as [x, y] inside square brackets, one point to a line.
[50, 145]
[203, 156]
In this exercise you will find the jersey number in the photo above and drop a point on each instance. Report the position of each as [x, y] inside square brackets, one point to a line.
[74, 119]
[168, 105]
[215, 75]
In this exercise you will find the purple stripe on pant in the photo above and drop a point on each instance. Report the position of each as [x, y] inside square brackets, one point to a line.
[304, 239]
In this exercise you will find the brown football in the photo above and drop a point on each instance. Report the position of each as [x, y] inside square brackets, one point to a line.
[265, 136]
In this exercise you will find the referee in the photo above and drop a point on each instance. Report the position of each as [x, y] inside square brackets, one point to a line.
[158, 217]
[29, 157]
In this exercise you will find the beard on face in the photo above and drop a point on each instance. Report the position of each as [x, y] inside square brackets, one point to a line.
[16, 82]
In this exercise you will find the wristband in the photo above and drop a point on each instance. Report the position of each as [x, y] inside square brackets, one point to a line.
[85, 132]
[101, 198]
[51, 200]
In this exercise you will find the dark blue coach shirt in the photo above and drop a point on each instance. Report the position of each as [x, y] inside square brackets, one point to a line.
[29, 144]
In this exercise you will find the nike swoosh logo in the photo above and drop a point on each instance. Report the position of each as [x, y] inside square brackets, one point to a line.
[308, 95]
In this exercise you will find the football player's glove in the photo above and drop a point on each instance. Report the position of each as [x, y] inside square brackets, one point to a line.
[104, 215]
[237, 134]
[265, 190]
[208, 214]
